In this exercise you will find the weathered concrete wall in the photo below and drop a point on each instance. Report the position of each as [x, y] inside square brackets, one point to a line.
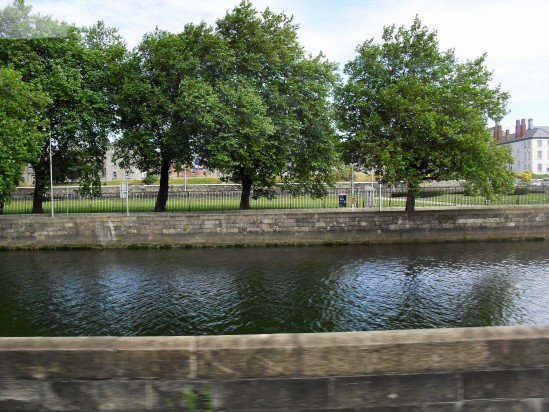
[477, 369]
[274, 227]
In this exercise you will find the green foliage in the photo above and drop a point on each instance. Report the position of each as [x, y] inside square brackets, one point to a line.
[244, 97]
[17, 22]
[166, 102]
[150, 180]
[521, 191]
[21, 105]
[195, 402]
[423, 194]
[412, 112]
[77, 69]
[274, 113]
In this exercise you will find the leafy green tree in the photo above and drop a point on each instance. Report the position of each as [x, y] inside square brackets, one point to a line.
[274, 120]
[77, 70]
[413, 112]
[166, 101]
[17, 22]
[21, 108]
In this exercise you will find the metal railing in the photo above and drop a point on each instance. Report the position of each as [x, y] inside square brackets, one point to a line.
[66, 200]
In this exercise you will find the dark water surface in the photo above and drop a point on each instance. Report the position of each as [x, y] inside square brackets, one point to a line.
[273, 290]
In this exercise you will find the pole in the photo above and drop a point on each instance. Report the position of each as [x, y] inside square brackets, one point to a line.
[51, 180]
[380, 199]
[352, 179]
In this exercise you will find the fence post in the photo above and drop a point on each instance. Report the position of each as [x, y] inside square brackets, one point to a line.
[380, 199]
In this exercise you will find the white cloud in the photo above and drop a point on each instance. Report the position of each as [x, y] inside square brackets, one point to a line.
[511, 33]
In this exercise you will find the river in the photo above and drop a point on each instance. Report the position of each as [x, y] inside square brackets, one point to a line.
[272, 290]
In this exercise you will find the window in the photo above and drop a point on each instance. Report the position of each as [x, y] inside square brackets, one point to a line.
[539, 168]
[540, 155]
[114, 175]
[540, 142]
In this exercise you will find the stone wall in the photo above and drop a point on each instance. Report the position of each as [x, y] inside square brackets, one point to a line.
[273, 227]
[476, 369]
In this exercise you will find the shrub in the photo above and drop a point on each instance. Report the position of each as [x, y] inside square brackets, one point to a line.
[150, 180]
[520, 191]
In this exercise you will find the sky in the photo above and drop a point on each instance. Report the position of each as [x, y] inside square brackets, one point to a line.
[513, 34]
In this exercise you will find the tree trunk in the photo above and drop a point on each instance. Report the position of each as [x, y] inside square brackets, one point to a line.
[246, 193]
[410, 202]
[1, 207]
[162, 196]
[40, 185]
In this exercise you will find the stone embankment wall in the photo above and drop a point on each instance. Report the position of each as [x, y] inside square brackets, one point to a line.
[273, 227]
[477, 369]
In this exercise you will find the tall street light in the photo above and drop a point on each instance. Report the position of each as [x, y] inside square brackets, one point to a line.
[51, 179]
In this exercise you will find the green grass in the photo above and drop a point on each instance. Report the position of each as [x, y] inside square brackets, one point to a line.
[230, 201]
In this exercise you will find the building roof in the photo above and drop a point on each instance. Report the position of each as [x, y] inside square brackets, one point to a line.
[538, 132]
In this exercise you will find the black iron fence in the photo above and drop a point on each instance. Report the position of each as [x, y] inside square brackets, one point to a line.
[139, 198]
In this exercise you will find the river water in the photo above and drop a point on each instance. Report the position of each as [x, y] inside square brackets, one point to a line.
[273, 290]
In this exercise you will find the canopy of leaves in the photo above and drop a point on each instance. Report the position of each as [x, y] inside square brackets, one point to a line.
[77, 71]
[275, 105]
[17, 22]
[243, 97]
[167, 102]
[412, 112]
[21, 106]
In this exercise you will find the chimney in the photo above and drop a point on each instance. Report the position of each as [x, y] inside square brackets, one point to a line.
[523, 128]
[499, 133]
[530, 124]
[507, 135]
[517, 130]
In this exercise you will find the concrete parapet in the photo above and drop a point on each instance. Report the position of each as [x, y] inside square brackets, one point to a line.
[476, 369]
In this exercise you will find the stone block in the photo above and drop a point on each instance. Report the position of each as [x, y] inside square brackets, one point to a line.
[56, 358]
[395, 390]
[153, 358]
[442, 407]
[497, 405]
[510, 384]
[534, 405]
[20, 395]
[340, 354]
[252, 356]
[273, 394]
[528, 350]
[95, 396]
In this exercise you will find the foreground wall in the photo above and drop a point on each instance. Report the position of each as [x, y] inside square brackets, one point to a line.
[477, 369]
[273, 227]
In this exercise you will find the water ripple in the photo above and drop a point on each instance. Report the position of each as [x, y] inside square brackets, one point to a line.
[273, 290]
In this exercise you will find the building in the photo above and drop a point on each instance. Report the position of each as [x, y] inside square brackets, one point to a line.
[112, 170]
[529, 146]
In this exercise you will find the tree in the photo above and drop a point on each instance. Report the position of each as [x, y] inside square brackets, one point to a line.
[166, 101]
[412, 112]
[76, 68]
[275, 112]
[21, 117]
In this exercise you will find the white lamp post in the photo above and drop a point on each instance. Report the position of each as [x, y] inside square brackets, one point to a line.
[51, 180]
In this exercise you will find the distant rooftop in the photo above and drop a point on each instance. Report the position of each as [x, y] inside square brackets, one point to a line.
[522, 132]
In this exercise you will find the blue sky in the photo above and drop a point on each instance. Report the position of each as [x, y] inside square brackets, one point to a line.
[512, 33]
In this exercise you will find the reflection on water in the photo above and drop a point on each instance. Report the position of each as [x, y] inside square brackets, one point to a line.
[272, 290]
